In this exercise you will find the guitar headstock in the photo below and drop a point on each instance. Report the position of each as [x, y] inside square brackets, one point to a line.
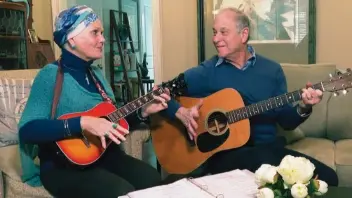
[177, 86]
[338, 82]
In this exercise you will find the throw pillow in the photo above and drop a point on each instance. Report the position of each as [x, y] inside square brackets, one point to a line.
[13, 97]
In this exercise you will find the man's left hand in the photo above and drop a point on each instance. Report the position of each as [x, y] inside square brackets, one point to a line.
[311, 96]
[159, 103]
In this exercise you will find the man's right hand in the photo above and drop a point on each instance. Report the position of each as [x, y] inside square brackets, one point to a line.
[188, 117]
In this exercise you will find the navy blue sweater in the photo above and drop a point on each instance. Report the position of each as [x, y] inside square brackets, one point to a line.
[260, 81]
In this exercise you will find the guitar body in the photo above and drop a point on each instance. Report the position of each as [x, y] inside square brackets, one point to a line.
[172, 146]
[75, 149]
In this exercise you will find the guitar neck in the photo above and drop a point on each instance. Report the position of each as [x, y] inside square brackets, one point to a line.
[134, 105]
[266, 105]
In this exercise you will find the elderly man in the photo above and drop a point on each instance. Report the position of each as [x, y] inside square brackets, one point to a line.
[256, 78]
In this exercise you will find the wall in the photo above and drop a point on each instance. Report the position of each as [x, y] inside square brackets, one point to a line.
[178, 32]
[333, 35]
[42, 19]
[179, 35]
[178, 43]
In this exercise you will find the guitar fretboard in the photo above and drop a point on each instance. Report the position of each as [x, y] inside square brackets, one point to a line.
[266, 105]
[134, 105]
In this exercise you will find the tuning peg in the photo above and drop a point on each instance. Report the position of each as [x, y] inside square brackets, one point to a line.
[344, 92]
[338, 73]
[335, 94]
[348, 69]
[330, 75]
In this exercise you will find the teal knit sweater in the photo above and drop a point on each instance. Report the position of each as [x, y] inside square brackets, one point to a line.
[74, 98]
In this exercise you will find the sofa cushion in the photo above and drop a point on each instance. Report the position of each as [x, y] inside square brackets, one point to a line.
[10, 162]
[319, 148]
[343, 161]
[343, 152]
[339, 123]
[16, 189]
[297, 76]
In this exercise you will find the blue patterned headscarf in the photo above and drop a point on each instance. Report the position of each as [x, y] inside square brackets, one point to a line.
[72, 21]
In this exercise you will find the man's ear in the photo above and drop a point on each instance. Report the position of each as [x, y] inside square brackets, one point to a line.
[245, 35]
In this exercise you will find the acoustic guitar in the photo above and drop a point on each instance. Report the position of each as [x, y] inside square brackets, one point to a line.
[223, 124]
[87, 150]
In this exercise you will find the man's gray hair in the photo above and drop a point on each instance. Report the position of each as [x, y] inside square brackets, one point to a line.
[242, 20]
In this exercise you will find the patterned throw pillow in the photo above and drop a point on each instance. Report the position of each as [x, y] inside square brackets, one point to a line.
[13, 97]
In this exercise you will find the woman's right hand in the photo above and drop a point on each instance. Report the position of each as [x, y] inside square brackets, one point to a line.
[103, 128]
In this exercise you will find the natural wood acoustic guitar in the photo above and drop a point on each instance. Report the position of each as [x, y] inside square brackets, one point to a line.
[223, 124]
[87, 150]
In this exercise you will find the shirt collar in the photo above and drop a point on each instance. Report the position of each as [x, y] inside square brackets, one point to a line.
[250, 62]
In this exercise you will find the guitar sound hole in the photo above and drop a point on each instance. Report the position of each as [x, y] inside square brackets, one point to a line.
[217, 123]
[217, 132]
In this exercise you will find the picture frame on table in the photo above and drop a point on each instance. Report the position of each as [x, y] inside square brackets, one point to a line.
[33, 38]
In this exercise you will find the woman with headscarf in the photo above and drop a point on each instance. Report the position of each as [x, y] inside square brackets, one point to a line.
[79, 33]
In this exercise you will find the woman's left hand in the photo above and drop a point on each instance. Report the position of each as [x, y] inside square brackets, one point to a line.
[159, 103]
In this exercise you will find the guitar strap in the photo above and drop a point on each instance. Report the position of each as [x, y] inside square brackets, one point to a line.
[58, 88]
[101, 90]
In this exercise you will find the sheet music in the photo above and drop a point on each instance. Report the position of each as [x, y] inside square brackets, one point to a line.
[224, 185]
[179, 189]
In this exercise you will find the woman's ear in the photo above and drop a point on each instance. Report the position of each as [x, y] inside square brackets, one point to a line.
[72, 44]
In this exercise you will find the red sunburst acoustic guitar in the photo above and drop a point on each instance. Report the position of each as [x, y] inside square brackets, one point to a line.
[85, 151]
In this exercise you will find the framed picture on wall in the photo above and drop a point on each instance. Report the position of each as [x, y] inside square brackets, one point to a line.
[283, 30]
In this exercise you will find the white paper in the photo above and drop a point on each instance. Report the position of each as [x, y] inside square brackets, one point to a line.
[236, 183]
[179, 189]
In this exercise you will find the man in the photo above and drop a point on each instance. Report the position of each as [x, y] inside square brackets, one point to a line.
[256, 78]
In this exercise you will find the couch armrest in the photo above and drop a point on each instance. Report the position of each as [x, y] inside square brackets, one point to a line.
[133, 145]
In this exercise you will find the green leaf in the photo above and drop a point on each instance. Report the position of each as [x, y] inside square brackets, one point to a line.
[277, 192]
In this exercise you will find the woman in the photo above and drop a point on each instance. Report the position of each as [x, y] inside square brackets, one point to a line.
[79, 33]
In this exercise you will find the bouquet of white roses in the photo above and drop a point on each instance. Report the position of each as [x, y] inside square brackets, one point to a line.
[292, 178]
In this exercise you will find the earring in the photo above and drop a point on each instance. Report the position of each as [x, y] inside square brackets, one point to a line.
[73, 47]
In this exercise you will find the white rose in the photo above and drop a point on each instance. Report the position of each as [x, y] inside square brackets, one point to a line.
[265, 193]
[266, 174]
[323, 188]
[299, 190]
[296, 170]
